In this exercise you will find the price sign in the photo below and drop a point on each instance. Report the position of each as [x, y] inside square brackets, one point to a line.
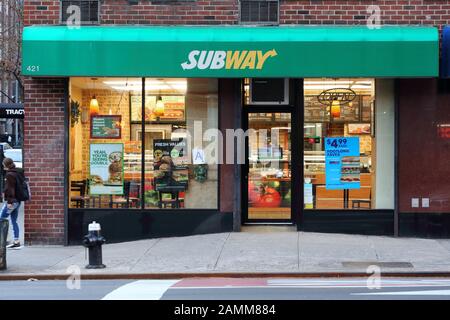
[342, 163]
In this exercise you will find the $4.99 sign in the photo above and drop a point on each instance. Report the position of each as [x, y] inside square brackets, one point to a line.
[342, 163]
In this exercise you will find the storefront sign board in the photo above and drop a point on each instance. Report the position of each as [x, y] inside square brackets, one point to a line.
[233, 52]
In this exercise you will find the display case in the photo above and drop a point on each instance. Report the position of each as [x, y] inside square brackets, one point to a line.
[314, 162]
[132, 162]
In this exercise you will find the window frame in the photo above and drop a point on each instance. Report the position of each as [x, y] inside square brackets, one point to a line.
[259, 23]
[82, 23]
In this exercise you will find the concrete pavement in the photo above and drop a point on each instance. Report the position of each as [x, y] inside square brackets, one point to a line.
[274, 250]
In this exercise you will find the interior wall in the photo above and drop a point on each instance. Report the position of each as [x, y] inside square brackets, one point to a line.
[385, 144]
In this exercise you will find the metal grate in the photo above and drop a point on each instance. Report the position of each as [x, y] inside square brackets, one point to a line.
[89, 10]
[259, 12]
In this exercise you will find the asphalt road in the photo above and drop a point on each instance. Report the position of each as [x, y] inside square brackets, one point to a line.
[228, 289]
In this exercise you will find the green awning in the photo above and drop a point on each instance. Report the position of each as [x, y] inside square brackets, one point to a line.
[230, 51]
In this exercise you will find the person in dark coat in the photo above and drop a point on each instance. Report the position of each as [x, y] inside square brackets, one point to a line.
[11, 205]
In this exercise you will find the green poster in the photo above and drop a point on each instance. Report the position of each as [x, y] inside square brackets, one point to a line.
[106, 127]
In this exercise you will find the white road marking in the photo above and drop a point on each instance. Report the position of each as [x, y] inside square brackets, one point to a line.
[355, 283]
[410, 293]
[141, 290]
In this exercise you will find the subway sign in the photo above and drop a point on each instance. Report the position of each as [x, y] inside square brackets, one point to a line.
[239, 59]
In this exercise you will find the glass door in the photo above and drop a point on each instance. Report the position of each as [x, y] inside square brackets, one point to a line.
[268, 168]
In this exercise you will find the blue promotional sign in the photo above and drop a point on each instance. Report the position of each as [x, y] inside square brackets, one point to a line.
[342, 163]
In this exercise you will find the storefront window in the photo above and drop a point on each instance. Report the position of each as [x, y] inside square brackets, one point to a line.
[178, 112]
[101, 142]
[348, 144]
[107, 143]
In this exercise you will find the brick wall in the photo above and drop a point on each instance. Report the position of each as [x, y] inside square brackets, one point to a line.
[414, 12]
[44, 160]
[41, 12]
[429, 12]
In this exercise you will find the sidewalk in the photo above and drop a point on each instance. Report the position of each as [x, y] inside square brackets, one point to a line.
[256, 250]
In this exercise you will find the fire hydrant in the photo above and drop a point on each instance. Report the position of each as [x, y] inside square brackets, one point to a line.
[93, 241]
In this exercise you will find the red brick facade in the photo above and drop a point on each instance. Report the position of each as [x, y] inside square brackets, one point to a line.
[44, 123]
[44, 160]
[429, 12]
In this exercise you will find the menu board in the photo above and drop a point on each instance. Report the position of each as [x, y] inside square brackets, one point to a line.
[170, 162]
[349, 112]
[315, 111]
[359, 128]
[174, 109]
[366, 108]
[342, 163]
[106, 127]
[106, 169]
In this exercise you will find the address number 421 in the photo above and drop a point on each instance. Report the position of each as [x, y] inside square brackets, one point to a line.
[33, 68]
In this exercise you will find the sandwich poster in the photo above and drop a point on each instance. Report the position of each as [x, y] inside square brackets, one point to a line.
[342, 163]
[170, 162]
[106, 169]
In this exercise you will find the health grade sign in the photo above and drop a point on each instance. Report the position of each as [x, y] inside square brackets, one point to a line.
[342, 163]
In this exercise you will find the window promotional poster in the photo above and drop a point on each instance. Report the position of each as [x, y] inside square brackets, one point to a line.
[106, 169]
[342, 163]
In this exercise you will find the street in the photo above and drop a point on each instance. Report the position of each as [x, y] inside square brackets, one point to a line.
[230, 289]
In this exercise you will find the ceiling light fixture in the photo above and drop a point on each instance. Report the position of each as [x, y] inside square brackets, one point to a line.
[94, 108]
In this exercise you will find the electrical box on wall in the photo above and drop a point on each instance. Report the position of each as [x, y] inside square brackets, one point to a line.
[269, 91]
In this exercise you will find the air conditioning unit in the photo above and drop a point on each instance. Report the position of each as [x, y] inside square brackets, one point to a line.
[269, 91]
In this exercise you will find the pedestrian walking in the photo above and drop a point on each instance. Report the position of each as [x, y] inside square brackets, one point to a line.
[12, 195]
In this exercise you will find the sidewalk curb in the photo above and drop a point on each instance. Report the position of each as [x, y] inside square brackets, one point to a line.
[155, 276]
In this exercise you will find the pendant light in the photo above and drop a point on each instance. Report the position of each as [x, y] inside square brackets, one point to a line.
[94, 108]
[336, 109]
[159, 108]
